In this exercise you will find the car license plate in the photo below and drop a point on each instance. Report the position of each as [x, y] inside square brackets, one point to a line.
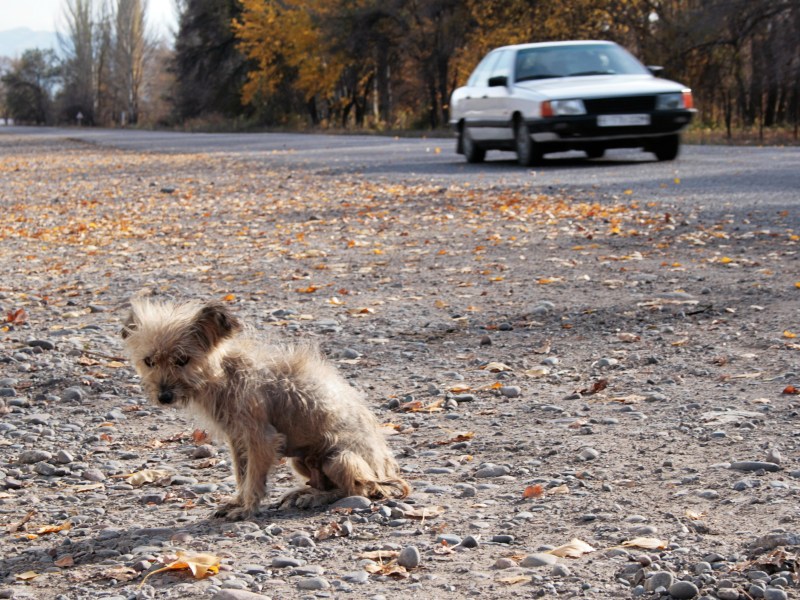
[622, 120]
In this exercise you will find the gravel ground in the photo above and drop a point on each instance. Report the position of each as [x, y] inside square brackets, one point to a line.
[609, 377]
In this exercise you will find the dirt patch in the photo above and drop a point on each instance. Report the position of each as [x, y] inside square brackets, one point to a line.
[551, 367]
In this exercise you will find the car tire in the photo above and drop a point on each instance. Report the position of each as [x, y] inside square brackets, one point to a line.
[595, 152]
[472, 152]
[667, 148]
[527, 153]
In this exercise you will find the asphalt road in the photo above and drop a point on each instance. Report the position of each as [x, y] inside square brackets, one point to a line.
[717, 179]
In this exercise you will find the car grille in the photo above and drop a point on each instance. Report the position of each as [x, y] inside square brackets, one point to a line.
[605, 106]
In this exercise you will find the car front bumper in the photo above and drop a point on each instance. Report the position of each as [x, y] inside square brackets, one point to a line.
[581, 129]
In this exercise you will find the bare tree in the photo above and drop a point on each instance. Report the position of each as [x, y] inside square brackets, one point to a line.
[78, 95]
[132, 47]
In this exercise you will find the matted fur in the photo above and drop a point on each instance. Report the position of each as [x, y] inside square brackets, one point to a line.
[269, 401]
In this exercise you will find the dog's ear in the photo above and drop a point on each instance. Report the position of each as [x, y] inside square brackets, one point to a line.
[130, 326]
[214, 323]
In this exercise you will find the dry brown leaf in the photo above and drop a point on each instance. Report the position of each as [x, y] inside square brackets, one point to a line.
[628, 338]
[120, 573]
[380, 555]
[461, 437]
[88, 487]
[426, 512]
[201, 565]
[26, 576]
[559, 489]
[597, 386]
[533, 491]
[646, 543]
[65, 526]
[496, 367]
[65, 561]
[537, 372]
[329, 530]
[146, 476]
[693, 514]
[629, 399]
[574, 549]
[515, 580]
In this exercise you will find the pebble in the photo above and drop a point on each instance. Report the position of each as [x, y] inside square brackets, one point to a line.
[238, 595]
[504, 563]
[511, 391]
[775, 594]
[93, 475]
[353, 502]
[409, 557]
[774, 456]
[73, 394]
[448, 538]
[539, 559]
[43, 344]
[728, 594]
[659, 579]
[490, 470]
[754, 465]
[588, 454]
[470, 541]
[683, 590]
[64, 457]
[313, 583]
[281, 562]
[29, 457]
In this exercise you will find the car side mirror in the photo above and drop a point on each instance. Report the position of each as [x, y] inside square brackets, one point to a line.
[498, 81]
[655, 70]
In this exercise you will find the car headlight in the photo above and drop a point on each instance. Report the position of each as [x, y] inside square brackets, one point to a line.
[565, 107]
[670, 101]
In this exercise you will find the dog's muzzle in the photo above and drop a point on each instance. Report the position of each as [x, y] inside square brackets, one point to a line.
[166, 397]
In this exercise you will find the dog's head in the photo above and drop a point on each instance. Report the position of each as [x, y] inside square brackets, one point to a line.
[172, 346]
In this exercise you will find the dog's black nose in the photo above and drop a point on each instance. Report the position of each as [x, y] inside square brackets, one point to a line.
[166, 397]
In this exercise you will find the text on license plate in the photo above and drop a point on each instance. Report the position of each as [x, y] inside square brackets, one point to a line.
[622, 120]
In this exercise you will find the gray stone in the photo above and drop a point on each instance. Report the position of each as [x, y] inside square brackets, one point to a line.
[73, 394]
[659, 579]
[29, 457]
[448, 538]
[490, 470]
[353, 502]
[43, 344]
[728, 594]
[204, 451]
[238, 595]
[64, 457]
[539, 559]
[409, 557]
[93, 475]
[683, 590]
[754, 465]
[313, 583]
[775, 594]
[511, 391]
[281, 562]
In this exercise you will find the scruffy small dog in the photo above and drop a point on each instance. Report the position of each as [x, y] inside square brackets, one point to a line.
[269, 401]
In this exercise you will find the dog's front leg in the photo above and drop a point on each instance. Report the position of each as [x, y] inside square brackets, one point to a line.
[262, 454]
[239, 460]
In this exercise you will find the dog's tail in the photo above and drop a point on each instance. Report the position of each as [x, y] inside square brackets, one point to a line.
[390, 488]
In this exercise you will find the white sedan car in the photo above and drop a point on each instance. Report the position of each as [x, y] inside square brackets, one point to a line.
[556, 96]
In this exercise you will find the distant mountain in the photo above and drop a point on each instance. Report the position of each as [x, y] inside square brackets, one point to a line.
[13, 42]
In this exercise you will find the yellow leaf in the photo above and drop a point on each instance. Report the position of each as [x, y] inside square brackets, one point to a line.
[496, 367]
[66, 525]
[146, 476]
[426, 512]
[229, 298]
[574, 549]
[380, 555]
[335, 301]
[460, 388]
[27, 575]
[789, 334]
[797, 284]
[725, 260]
[201, 565]
[516, 579]
[646, 543]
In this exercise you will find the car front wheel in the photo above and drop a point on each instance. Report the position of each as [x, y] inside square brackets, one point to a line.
[527, 153]
[471, 151]
[667, 148]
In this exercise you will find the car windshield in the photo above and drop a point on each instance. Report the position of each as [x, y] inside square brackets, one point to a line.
[575, 61]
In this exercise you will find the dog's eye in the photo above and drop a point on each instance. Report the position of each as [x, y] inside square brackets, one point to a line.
[181, 361]
[148, 362]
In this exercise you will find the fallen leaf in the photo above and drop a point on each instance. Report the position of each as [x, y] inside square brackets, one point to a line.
[426, 512]
[516, 579]
[65, 561]
[629, 399]
[533, 491]
[16, 317]
[15, 527]
[229, 298]
[559, 489]
[380, 555]
[146, 476]
[628, 337]
[496, 367]
[790, 389]
[120, 573]
[88, 487]
[200, 437]
[693, 514]
[201, 565]
[27, 576]
[537, 372]
[329, 530]
[574, 549]
[646, 543]
[461, 437]
[66, 525]
[788, 334]
[597, 386]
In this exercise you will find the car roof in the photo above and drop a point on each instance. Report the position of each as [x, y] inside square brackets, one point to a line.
[555, 44]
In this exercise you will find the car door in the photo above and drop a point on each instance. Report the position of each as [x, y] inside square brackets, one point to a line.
[475, 98]
[497, 98]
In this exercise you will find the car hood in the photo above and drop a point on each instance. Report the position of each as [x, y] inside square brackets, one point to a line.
[600, 86]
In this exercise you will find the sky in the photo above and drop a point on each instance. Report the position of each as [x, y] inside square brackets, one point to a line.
[47, 15]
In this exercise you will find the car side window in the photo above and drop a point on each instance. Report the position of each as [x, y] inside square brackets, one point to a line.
[480, 76]
[504, 64]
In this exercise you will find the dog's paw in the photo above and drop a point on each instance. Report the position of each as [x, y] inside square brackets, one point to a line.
[308, 497]
[241, 513]
[224, 510]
